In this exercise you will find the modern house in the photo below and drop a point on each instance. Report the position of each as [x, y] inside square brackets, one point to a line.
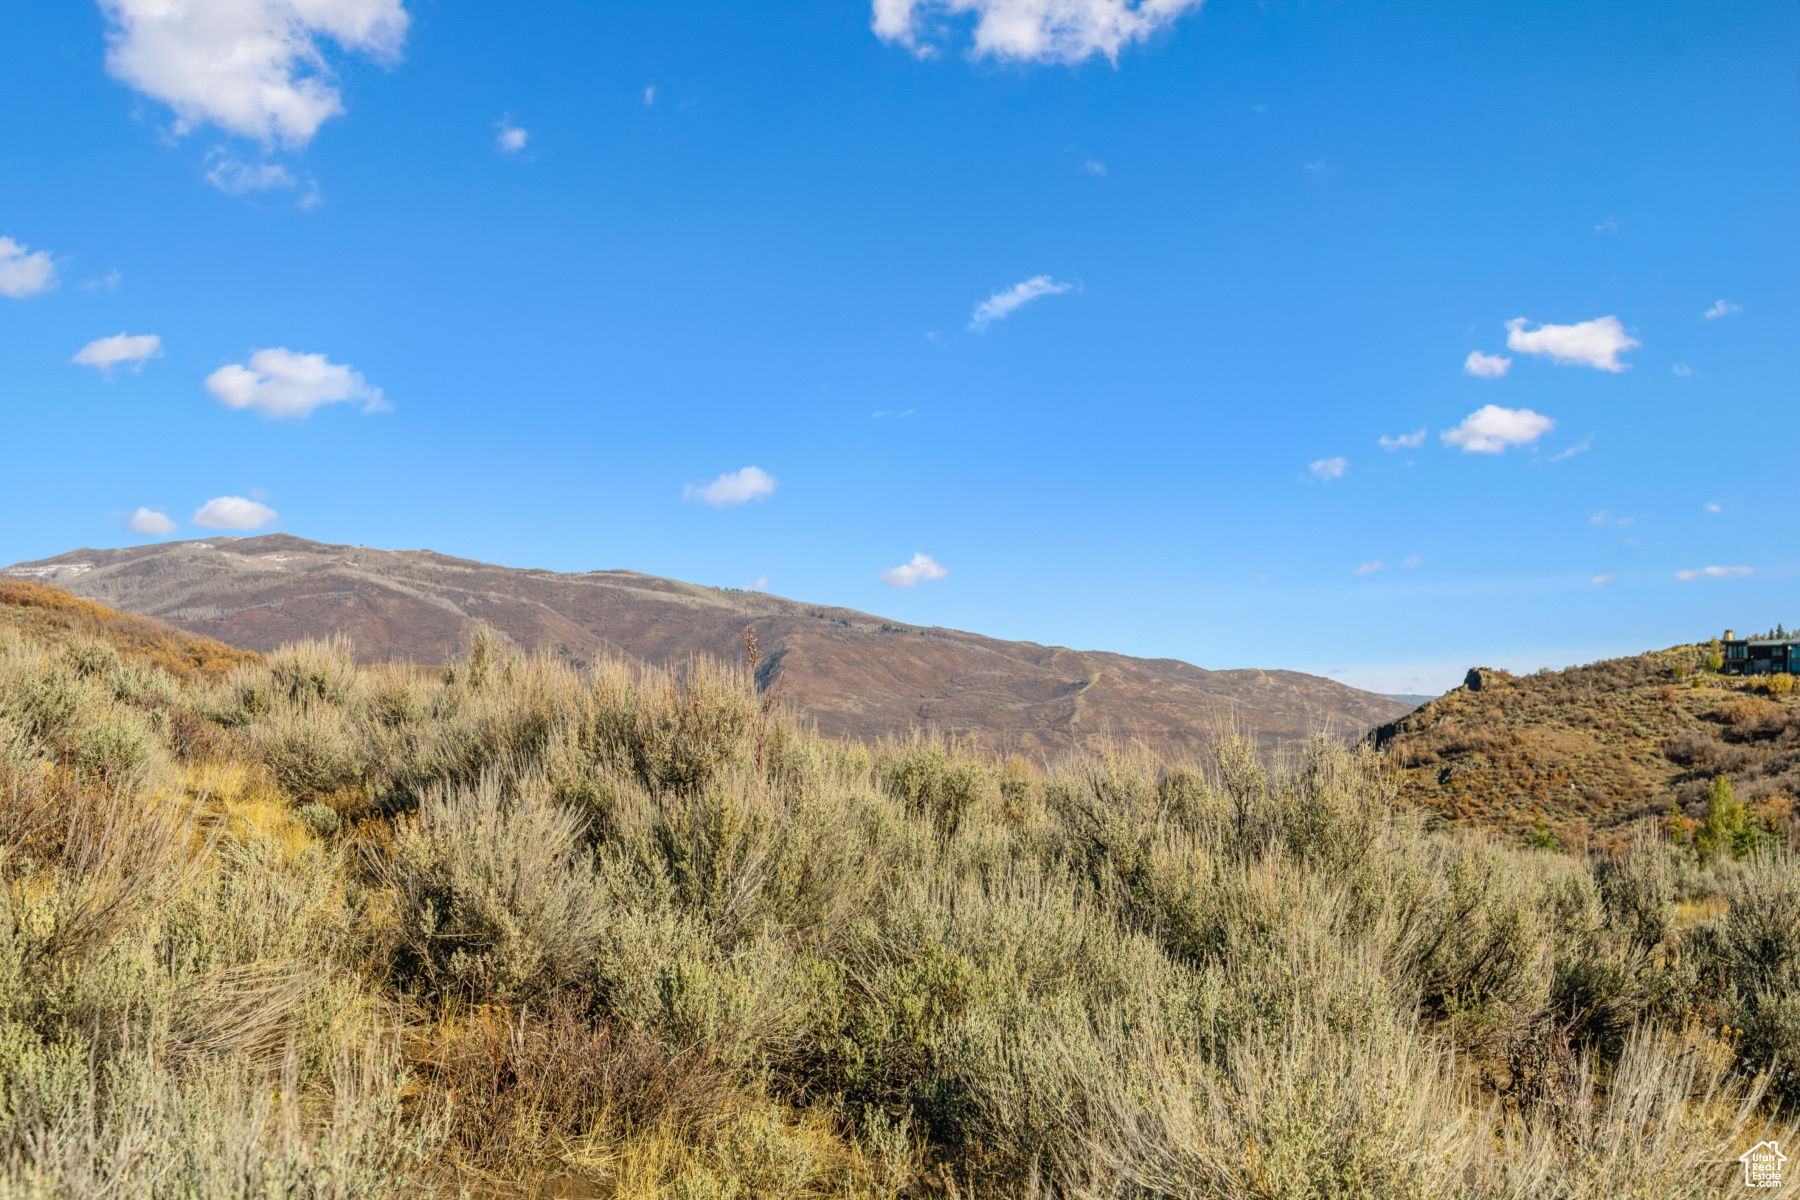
[1761, 656]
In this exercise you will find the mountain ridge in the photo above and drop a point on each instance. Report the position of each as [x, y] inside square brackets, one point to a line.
[855, 673]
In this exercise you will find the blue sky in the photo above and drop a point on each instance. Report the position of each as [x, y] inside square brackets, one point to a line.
[1088, 334]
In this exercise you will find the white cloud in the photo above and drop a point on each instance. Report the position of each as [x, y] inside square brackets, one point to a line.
[650, 96]
[1723, 308]
[108, 352]
[235, 177]
[280, 383]
[1094, 166]
[1486, 366]
[1595, 343]
[733, 487]
[1607, 226]
[921, 569]
[511, 139]
[233, 512]
[1682, 371]
[252, 67]
[1490, 429]
[761, 584]
[1600, 579]
[1411, 561]
[1329, 468]
[1713, 508]
[1406, 440]
[151, 523]
[1581, 447]
[1712, 573]
[24, 272]
[1001, 304]
[1369, 568]
[1061, 31]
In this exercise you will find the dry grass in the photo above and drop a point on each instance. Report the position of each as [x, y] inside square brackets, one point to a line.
[46, 613]
[522, 931]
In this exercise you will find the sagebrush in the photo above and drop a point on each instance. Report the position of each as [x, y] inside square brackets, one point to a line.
[319, 930]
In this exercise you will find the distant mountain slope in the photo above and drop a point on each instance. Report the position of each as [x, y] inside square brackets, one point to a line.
[1590, 749]
[854, 673]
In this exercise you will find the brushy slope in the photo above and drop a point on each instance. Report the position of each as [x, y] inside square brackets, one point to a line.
[520, 930]
[856, 674]
[1581, 754]
[50, 614]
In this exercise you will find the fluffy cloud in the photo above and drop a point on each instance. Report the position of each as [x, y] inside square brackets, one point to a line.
[1060, 31]
[1001, 304]
[108, 352]
[1723, 308]
[1486, 366]
[1406, 440]
[1712, 573]
[921, 569]
[1602, 579]
[1329, 468]
[1369, 568]
[252, 67]
[511, 139]
[151, 523]
[233, 512]
[281, 383]
[1595, 343]
[733, 487]
[24, 272]
[1490, 429]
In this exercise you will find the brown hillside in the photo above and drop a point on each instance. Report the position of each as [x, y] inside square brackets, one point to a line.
[855, 674]
[50, 614]
[1591, 749]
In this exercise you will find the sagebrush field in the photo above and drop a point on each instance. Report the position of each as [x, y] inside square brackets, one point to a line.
[296, 928]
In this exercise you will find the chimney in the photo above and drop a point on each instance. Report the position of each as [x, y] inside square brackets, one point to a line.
[1728, 635]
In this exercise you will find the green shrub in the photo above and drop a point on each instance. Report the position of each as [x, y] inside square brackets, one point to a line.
[1729, 829]
[1638, 889]
[673, 730]
[924, 777]
[309, 750]
[496, 893]
[316, 671]
[1757, 948]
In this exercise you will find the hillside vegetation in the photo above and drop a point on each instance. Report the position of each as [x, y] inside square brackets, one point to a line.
[315, 930]
[54, 616]
[1582, 754]
[854, 674]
